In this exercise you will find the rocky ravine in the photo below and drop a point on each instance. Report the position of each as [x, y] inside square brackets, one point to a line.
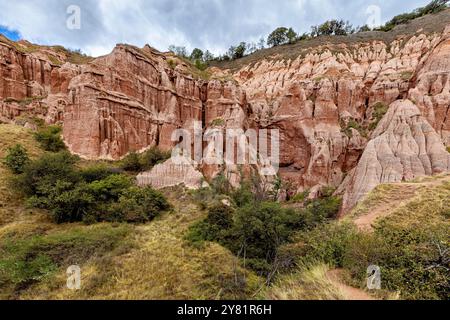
[349, 116]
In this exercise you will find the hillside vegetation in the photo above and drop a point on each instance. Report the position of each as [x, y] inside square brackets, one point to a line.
[202, 248]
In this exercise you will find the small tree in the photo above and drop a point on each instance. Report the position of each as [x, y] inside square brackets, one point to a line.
[208, 56]
[50, 139]
[261, 43]
[179, 51]
[237, 52]
[278, 37]
[16, 159]
[332, 28]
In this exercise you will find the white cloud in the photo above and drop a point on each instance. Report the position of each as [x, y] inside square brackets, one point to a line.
[208, 24]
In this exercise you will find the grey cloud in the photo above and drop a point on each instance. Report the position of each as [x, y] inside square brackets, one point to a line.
[208, 24]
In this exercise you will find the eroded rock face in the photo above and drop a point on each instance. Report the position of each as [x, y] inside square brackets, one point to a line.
[404, 146]
[131, 99]
[327, 104]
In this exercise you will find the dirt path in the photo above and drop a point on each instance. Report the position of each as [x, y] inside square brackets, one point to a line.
[349, 293]
[365, 223]
[393, 201]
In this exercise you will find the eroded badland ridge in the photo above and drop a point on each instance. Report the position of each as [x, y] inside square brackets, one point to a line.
[352, 112]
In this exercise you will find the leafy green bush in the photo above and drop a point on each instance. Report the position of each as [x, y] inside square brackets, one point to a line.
[326, 243]
[138, 205]
[433, 7]
[41, 176]
[111, 188]
[300, 197]
[352, 124]
[92, 194]
[320, 210]
[132, 162]
[29, 260]
[254, 231]
[152, 157]
[411, 260]
[135, 162]
[16, 159]
[97, 172]
[379, 111]
[49, 138]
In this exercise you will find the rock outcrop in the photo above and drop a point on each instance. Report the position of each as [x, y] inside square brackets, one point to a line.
[404, 146]
[172, 173]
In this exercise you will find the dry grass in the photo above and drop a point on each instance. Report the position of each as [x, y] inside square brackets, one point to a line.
[153, 262]
[161, 266]
[11, 204]
[427, 24]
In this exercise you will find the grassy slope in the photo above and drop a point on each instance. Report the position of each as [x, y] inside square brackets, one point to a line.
[153, 261]
[150, 261]
[417, 206]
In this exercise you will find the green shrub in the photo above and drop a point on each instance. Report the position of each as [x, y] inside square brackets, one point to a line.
[300, 197]
[110, 188]
[49, 139]
[152, 157]
[135, 162]
[92, 194]
[40, 176]
[243, 195]
[16, 159]
[138, 205]
[379, 111]
[410, 259]
[260, 229]
[29, 260]
[215, 227]
[433, 7]
[320, 210]
[97, 172]
[326, 243]
[352, 124]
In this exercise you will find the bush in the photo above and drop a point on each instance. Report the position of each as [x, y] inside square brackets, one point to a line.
[135, 162]
[332, 27]
[16, 159]
[49, 139]
[320, 210]
[26, 261]
[92, 194]
[131, 163]
[97, 172]
[410, 260]
[110, 188]
[41, 176]
[152, 157]
[433, 7]
[326, 243]
[379, 111]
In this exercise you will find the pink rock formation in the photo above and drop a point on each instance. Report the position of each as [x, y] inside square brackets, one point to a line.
[404, 146]
[323, 102]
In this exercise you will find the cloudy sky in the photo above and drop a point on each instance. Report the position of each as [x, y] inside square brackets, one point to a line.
[207, 24]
